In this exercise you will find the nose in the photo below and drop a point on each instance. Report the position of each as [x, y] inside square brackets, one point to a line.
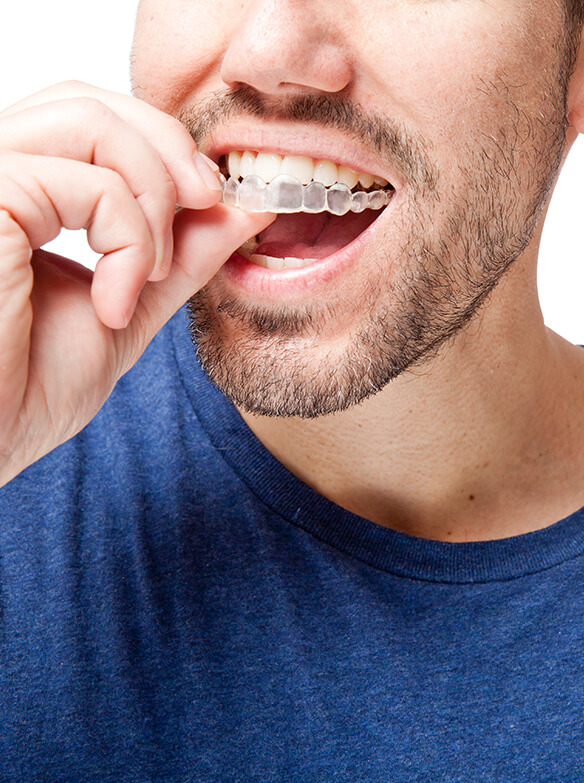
[281, 47]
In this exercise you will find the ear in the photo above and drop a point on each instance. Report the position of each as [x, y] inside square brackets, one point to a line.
[575, 98]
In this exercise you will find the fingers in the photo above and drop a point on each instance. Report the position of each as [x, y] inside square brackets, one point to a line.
[150, 150]
[89, 131]
[44, 193]
[195, 183]
[118, 170]
[15, 311]
[139, 163]
[203, 242]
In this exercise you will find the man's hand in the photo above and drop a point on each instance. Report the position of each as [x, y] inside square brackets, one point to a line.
[75, 157]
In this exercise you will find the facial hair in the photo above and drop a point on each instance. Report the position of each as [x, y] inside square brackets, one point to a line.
[458, 236]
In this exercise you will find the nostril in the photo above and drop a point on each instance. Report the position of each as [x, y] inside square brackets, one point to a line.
[280, 47]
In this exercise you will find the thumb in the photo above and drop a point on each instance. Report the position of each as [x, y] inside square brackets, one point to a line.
[204, 240]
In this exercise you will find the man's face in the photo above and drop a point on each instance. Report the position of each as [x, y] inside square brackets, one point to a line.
[459, 104]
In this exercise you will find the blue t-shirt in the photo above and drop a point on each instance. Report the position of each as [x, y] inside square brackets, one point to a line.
[177, 607]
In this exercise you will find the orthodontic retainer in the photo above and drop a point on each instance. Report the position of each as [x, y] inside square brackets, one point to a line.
[286, 194]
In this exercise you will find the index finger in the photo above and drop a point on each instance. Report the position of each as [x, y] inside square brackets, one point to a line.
[164, 133]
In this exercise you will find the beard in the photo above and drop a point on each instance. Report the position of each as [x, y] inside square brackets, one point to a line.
[453, 238]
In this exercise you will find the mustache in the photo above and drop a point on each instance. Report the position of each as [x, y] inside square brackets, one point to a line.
[382, 135]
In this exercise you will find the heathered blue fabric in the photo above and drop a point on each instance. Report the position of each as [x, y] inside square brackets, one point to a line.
[176, 607]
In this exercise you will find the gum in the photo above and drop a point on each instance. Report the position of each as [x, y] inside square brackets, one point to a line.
[286, 194]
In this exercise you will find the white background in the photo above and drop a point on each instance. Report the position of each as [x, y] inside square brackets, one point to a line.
[46, 42]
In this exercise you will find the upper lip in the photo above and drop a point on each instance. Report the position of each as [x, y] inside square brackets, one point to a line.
[298, 139]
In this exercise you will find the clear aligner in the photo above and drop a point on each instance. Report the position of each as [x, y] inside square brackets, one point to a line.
[286, 194]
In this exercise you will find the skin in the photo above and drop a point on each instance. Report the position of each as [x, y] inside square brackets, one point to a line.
[471, 443]
[474, 441]
[74, 156]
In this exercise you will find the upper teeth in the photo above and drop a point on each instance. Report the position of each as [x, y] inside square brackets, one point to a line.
[268, 165]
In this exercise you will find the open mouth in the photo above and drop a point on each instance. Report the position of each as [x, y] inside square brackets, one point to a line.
[321, 206]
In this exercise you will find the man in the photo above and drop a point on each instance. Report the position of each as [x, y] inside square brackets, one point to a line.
[364, 561]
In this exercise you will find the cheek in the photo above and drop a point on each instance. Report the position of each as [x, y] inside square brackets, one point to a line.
[447, 71]
[177, 49]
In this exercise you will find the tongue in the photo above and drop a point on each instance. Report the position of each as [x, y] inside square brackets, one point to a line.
[312, 236]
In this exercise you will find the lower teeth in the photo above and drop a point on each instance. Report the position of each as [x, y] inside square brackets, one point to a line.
[271, 262]
[247, 250]
[286, 194]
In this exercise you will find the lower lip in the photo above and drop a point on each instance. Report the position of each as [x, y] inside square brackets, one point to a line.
[279, 283]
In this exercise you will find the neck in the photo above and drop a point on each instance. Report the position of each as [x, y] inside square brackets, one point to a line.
[479, 442]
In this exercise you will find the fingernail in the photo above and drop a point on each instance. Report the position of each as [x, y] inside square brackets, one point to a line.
[162, 266]
[206, 173]
[212, 165]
